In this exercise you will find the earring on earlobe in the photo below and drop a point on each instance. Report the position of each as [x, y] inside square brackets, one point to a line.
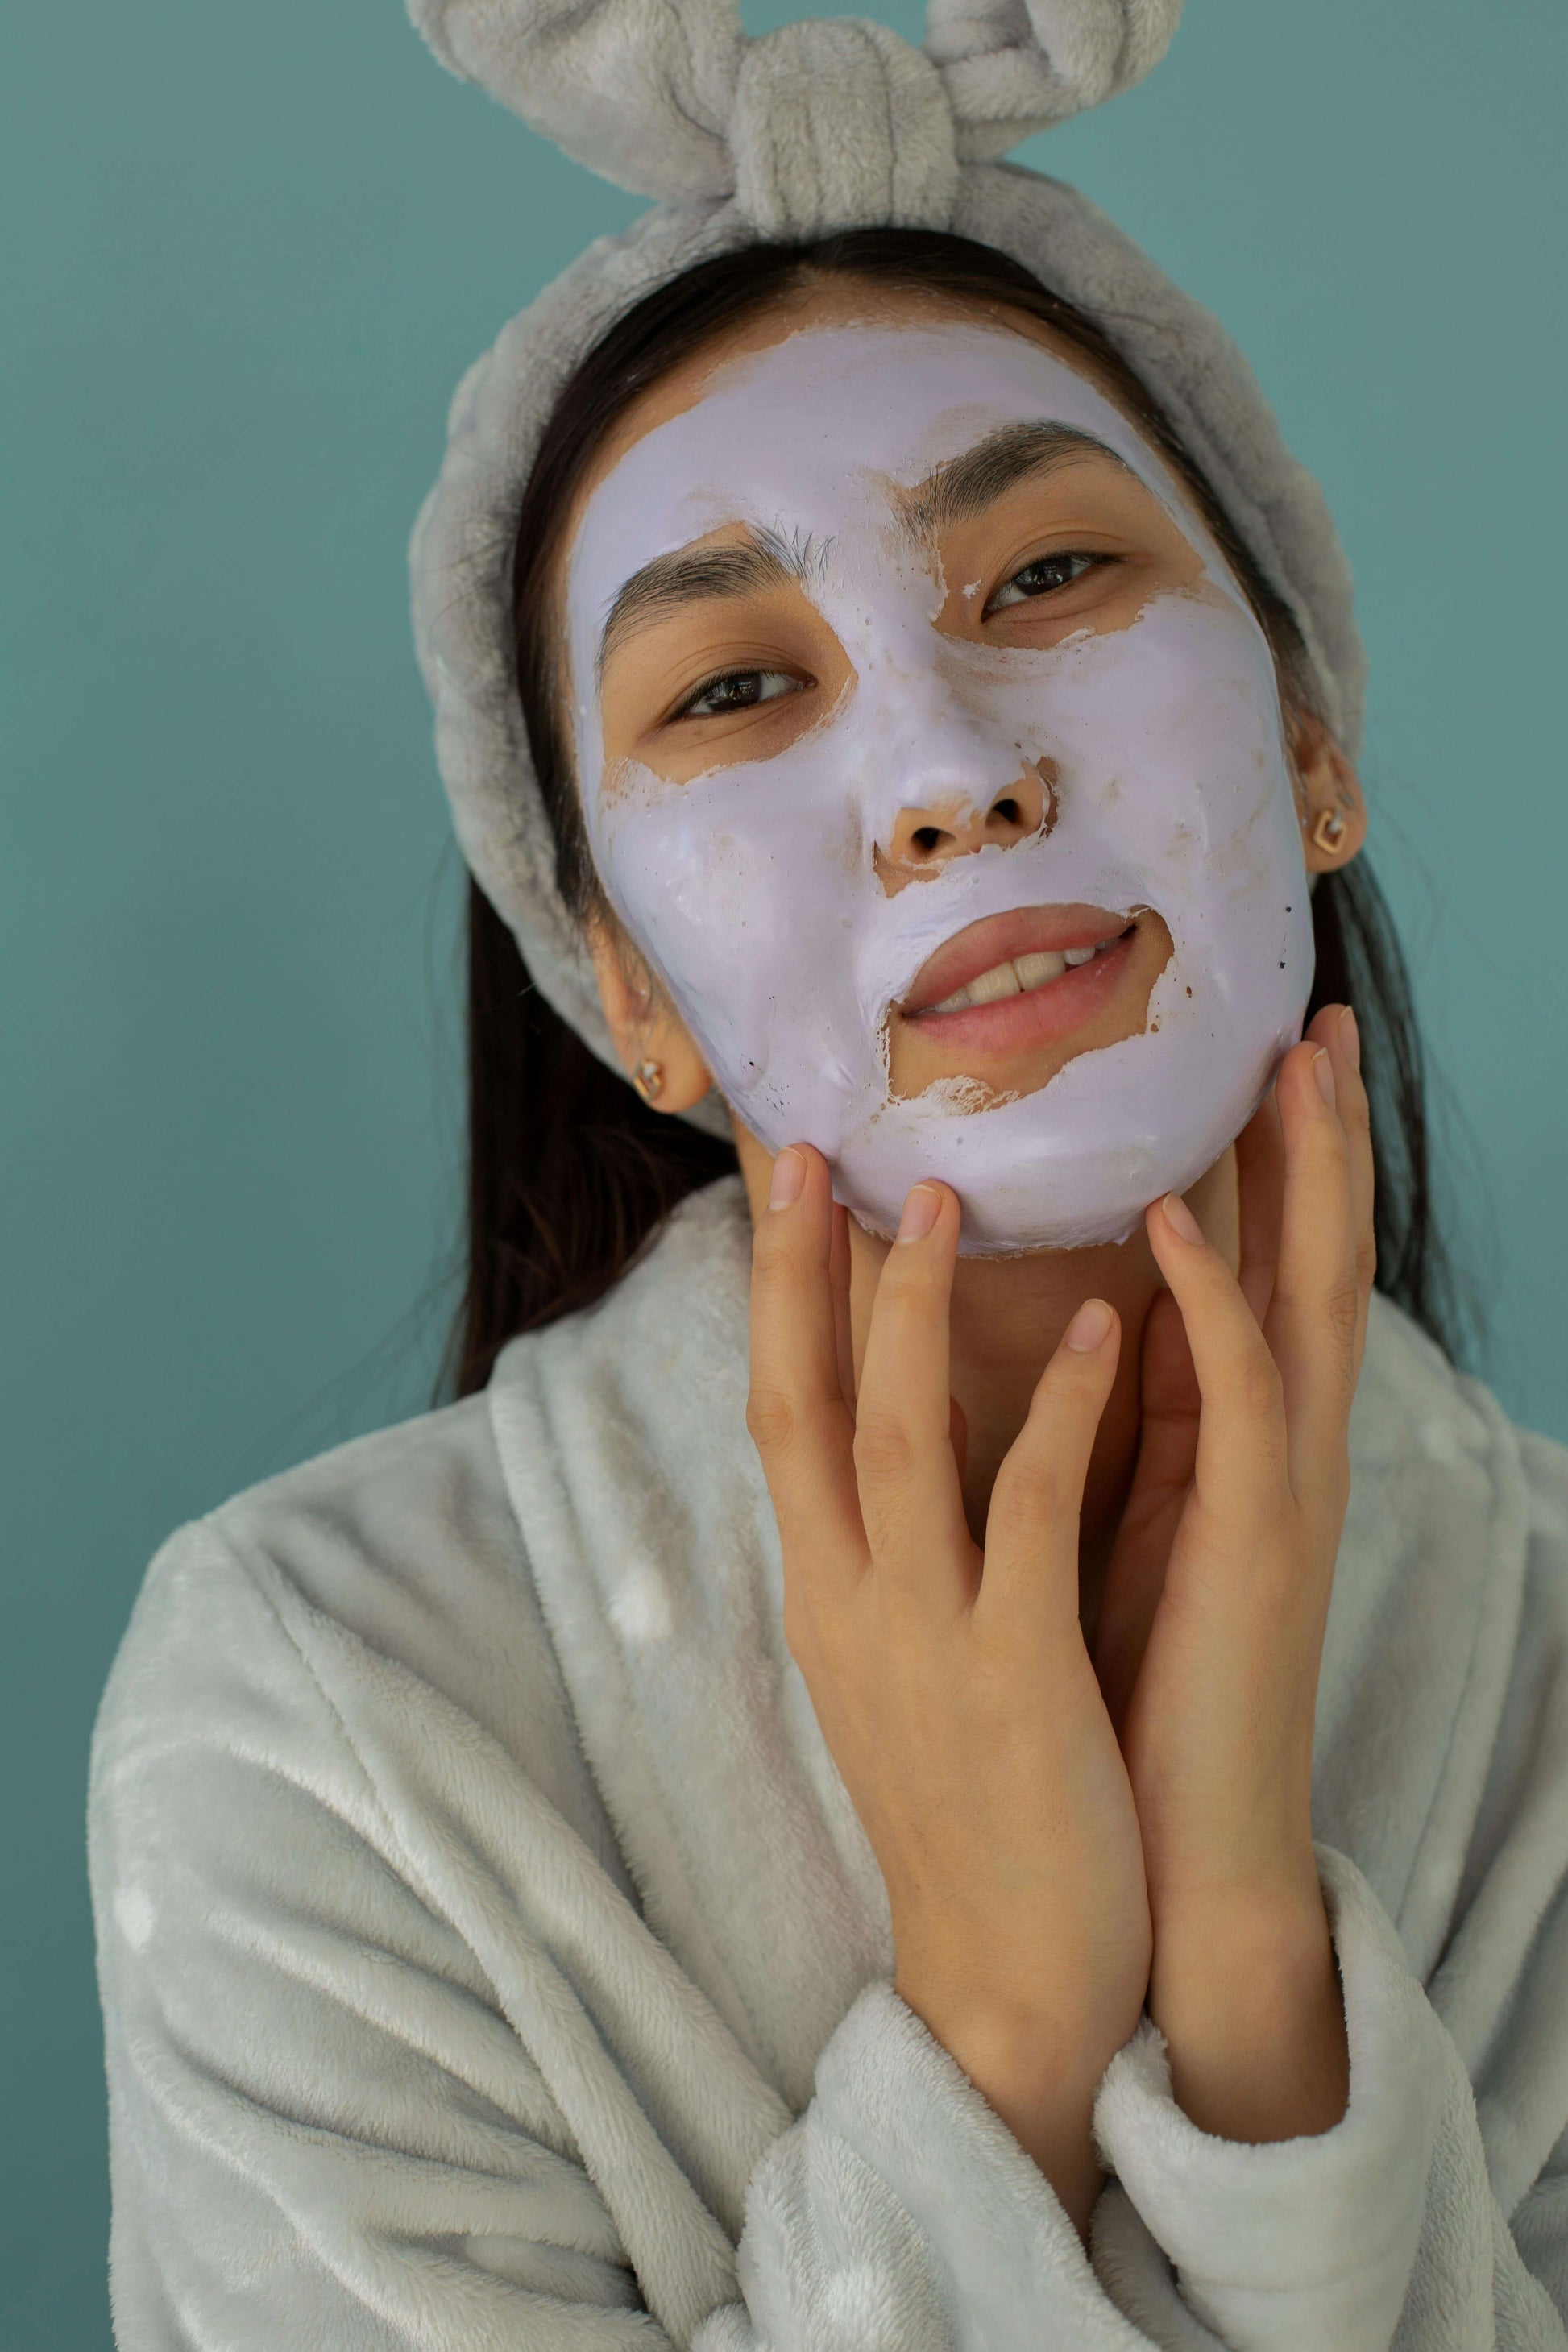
[648, 1080]
[1328, 831]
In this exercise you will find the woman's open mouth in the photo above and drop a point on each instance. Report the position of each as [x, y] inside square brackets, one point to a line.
[1012, 999]
[1022, 981]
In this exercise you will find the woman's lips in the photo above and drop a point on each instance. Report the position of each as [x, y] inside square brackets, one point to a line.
[987, 948]
[1036, 1011]
[1030, 1018]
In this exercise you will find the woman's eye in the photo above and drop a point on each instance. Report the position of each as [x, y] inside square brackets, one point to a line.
[1040, 578]
[738, 689]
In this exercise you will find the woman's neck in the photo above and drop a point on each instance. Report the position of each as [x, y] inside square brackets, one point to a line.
[1008, 1316]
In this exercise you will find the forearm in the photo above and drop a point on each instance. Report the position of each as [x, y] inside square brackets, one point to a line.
[1248, 1996]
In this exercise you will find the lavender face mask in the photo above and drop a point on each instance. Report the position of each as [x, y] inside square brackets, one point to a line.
[753, 890]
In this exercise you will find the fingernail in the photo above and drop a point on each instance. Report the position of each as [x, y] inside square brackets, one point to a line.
[1180, 1218]
[789, 1176]
[920, 1213]
[1089, 1328]
[1324, 1071]
[1350, 1038]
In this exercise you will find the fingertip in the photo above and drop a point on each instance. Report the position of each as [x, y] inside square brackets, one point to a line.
[1321, 1097]
[1349, 1037]
[925, 1207]
[1091, 1327]
[922, 1208]
[1297, 1085]
[1180, 1219]
[788, 1179]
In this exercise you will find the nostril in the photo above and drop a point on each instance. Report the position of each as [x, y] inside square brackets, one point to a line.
[1008, 811]
[928, 839]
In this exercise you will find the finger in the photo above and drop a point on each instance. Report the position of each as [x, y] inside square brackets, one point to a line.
[909, 1497]
[796, 1412]
[1314, 1315]
[1260, 1177]
[1031, 1571]
[1241, 1458]
[1169, 1401]
[1335, 1029]
[1161, 1479]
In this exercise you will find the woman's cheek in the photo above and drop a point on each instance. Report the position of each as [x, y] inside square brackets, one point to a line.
[740, 887]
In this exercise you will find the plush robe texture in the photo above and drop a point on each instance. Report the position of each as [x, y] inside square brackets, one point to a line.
[491, 1957]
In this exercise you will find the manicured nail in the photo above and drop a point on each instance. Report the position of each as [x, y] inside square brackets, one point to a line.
[920, 1213]
[1324, 1071]
[789, 1176]
[1180, 1218]
[1350, 1038]
[1089, 1328]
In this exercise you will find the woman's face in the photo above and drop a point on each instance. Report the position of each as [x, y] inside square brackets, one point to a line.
[933, 758]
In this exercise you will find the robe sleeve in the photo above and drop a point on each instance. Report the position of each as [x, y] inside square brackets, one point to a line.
[1382, 2231]
[384, 2045]
[1433, 2217]
[1540, 2227]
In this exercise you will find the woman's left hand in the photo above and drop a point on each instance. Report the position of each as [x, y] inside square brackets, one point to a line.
[1210, 1629]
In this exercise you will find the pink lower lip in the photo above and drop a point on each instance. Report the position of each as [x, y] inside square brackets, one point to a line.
[1036, 1016]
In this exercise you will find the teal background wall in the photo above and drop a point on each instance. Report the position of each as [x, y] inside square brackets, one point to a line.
[248, 253]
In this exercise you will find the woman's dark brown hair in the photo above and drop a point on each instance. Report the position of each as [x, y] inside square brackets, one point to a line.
[569, 1175]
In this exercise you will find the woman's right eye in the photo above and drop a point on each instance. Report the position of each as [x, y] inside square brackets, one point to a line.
[738, 689]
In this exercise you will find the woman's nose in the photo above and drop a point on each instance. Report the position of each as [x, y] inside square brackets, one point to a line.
[954, 826]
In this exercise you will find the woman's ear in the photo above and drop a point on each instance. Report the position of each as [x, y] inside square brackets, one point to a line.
[658, 1051]
[1328, 797]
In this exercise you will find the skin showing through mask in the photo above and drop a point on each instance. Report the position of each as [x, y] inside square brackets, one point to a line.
[1058, 1531]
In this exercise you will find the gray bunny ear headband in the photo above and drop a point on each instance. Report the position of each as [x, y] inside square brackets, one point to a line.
[827, 124]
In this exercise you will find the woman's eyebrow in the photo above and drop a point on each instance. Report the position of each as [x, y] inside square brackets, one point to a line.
[697, 575]
[966, 484]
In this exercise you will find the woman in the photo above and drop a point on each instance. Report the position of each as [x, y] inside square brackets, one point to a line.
[1076, 1856]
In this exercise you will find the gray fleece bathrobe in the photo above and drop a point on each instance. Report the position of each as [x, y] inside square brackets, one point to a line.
[492, 1960]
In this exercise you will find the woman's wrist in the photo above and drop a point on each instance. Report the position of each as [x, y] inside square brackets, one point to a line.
[1038, 2077]
[1248, 1996]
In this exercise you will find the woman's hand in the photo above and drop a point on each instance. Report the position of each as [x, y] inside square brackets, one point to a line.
[1210, 1631]
[954, 1689]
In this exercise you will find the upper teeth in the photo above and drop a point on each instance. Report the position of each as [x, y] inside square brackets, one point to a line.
[1017, 977]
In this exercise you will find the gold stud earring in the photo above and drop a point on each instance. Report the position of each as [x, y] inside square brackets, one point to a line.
[1328, 831]
[648, 1080]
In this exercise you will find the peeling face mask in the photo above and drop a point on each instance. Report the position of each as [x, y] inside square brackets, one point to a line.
[960, 862]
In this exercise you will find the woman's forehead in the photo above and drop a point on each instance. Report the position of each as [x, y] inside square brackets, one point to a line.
[832, 423]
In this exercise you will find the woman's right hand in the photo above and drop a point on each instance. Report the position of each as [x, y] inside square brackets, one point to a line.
[953, 1688]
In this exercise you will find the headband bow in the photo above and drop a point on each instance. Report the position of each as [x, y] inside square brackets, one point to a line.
[822, 125]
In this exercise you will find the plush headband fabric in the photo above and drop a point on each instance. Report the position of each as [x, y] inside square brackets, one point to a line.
[823, 125]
